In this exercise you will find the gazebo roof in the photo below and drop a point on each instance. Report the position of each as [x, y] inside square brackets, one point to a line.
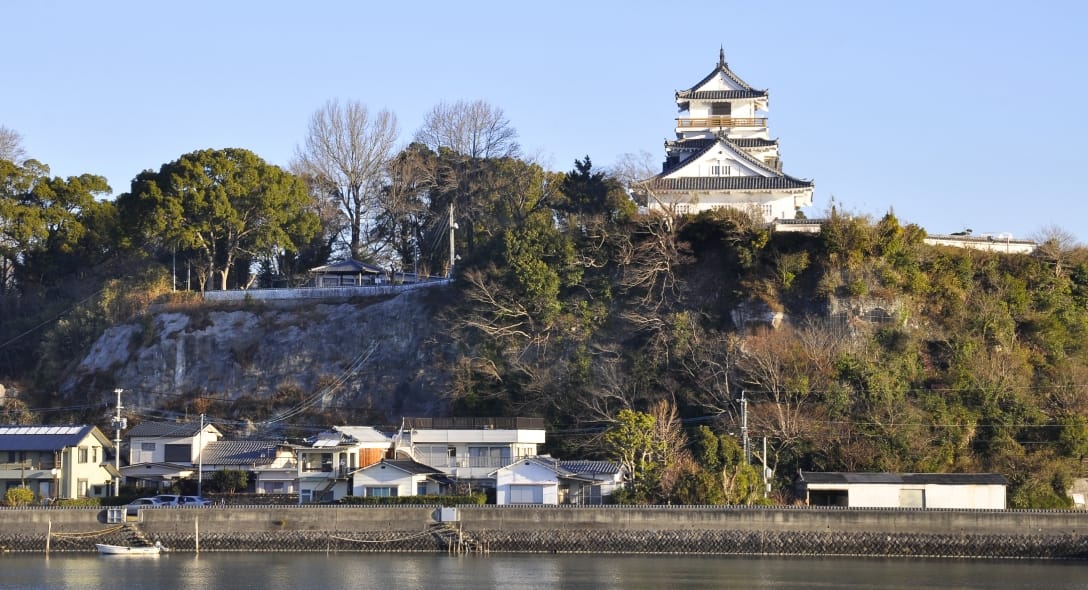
[347, 267]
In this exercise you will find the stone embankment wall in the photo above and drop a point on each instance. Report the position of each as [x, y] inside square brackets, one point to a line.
[689, 530]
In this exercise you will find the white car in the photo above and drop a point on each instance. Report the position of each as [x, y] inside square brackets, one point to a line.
[133, 507]
[168, 499]
[193, 501]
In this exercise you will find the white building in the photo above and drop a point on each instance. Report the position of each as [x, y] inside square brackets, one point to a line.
[904, 490]
[327, 461]
[399, 478]
[470, 448]
[723, 155]
[545, 480]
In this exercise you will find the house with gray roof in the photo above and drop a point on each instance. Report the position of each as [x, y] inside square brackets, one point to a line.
[403, 477]
[271, 465]
[903, 490]
[160, 453]
[56, 461]
[546, 480]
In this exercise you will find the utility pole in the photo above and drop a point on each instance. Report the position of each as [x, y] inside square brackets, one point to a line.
[453, 226]
[118, 424]
[200, 461]
[766, 480]
[744, 428]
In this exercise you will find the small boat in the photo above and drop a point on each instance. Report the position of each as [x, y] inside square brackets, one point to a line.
[155, 549]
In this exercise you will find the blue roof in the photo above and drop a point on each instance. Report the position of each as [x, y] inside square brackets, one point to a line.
[42, 438]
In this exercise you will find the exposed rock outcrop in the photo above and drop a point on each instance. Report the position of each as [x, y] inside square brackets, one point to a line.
[380, 355]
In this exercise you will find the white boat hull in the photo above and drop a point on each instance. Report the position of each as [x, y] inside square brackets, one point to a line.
[123, 550]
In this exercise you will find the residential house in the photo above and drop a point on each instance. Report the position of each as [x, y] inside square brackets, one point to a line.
[469, 448]
[326, 461]
[56, 461]
[163, 452]
[271, 466]
[390, 477]
[546, 480]
[903, 490]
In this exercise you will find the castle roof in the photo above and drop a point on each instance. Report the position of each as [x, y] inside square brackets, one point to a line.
[728, 183]
[744, 90]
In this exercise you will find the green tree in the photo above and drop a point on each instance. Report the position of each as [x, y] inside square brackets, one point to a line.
[229, 481]
[226, 205]
[44, 218]
[632, 442]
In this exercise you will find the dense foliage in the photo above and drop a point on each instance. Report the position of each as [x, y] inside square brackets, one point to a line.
[636, 336]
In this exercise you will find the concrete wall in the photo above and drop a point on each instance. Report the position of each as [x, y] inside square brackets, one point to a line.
[695, 530]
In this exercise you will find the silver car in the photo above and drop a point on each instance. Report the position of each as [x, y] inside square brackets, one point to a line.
[133, 507]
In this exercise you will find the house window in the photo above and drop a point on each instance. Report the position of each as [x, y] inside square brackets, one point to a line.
[489, 456]
[526, 494]
[94, 454]
[421, 488]
[81, 456]
[178, 453]
[682, 208]
[381, 491]
[81, 488]
[149, 447]
[721, 109]
[768, 210]
[273, 487]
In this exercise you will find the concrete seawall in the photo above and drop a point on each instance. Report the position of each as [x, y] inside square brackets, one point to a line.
[664, 529]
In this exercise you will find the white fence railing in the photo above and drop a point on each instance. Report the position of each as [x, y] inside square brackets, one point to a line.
[318, 292]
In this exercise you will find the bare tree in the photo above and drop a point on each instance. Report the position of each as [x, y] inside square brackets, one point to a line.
[474, 129]
[1055, 245]
[11, 145]
[345, 158]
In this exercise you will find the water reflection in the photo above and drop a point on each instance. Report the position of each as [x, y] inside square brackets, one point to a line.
[276, 571]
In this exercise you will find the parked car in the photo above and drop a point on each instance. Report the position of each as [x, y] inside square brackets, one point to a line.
[193, 501]
[168, 499]
[133, 507]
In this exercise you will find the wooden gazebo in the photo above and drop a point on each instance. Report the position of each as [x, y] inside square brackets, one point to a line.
[347, 273]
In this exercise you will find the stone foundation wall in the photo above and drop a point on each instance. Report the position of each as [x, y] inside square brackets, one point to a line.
[686, 530]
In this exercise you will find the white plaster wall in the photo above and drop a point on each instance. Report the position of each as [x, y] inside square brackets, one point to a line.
[524, 472]
[380, 475]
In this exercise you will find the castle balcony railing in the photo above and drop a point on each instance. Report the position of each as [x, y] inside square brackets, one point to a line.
[710, 122]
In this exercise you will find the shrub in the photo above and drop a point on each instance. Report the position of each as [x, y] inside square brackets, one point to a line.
[20, 496]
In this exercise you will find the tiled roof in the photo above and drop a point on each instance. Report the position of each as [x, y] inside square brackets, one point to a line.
[719, 94]
[407, 466]
[728, 183]
[724, 69]
[41, 438]
[585, 467]
[240, 452]
[165, 429]
[348, 267]
[839, 477]
[700, 143]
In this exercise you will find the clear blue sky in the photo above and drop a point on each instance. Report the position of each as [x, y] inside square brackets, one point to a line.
[956, 114]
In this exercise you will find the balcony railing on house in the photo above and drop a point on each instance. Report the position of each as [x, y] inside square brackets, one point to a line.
[500, 423]
[700, 122]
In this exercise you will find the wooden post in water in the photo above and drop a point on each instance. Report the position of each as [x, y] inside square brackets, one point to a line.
[196, 533]
[48, 535]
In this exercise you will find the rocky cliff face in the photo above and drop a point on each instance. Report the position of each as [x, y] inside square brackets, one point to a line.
[380, 356]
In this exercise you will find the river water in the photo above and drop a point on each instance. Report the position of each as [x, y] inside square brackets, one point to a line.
[275, 571]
